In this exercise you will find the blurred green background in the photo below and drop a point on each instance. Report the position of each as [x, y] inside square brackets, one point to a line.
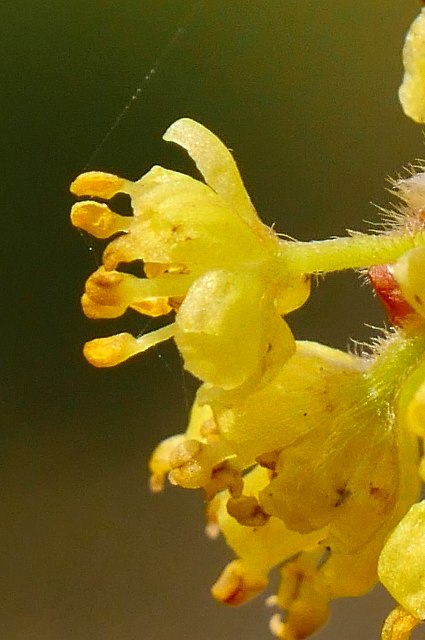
[305, 95]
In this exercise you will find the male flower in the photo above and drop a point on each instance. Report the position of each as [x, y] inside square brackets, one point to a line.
[206, 255]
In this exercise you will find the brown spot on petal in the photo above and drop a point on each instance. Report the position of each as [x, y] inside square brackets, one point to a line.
[418, 299]
[343, 495]
[379, 493]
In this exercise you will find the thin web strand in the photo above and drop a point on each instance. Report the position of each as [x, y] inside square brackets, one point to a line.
[140, 91]
[138, 94]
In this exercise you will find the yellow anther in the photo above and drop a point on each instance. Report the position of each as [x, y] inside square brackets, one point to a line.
[108, 352]
[97, 219]
[98, 184]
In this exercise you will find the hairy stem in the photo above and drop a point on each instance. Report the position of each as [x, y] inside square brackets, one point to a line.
[358, 251]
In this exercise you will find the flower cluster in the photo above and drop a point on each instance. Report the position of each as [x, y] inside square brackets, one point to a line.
[308, 456]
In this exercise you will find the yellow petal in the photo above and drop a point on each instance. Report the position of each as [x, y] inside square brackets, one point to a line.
[221, 311]
[216, 164]
[263, 547]
[179, 220]
[402, 562]
[409, 271]
[292, 401]
[416, 411]
[412, 90]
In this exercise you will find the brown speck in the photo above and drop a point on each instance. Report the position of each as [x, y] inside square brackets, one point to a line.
[268, 459]
[379, 493]
[343, 495]
[237, 595]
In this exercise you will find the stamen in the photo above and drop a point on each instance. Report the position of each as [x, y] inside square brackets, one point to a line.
[237, 584]
[98, 184]
[110, 293]
[113, 350]
[97, 219]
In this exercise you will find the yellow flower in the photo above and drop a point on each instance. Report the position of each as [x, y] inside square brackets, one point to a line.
[311, 472]
[206, 255]
[308, 456]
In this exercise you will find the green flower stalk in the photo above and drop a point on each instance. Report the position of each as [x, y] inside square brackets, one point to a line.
[309, 457]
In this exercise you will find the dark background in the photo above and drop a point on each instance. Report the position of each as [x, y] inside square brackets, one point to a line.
[305, 95]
